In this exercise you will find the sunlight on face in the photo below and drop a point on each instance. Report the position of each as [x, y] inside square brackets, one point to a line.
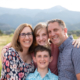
[42, 37]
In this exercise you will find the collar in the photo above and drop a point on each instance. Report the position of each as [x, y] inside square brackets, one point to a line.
[36, 73]
[65, 43]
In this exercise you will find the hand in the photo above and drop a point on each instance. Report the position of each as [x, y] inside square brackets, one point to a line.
[76, 42]
[2, 54]
[4, 50]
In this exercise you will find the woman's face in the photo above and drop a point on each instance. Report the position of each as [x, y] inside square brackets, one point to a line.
[26, 37]
[42, 37]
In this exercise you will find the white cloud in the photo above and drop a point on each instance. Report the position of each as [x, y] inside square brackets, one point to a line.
[40, 4]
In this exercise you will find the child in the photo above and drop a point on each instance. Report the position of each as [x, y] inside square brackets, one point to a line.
[42, 57]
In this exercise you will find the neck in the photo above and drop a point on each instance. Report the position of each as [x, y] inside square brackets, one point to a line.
[25, 52]
[25, 56]
[66, 36]
[42, 72]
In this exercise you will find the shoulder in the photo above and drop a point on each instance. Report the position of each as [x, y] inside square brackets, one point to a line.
[52, 76]
[30, 76]
[11, 51]
[75, 53]
[55, 77]
[11, 54]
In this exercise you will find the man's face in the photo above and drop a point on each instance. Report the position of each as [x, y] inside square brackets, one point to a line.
[56, 34]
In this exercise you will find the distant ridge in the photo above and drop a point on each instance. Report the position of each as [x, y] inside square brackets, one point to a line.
[15, 17]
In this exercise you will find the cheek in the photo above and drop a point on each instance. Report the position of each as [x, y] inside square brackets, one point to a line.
[20, 39]
[37, 39]
[47, 59]
[46, 37]
[37, 60]
[49, 35]
[31, 39]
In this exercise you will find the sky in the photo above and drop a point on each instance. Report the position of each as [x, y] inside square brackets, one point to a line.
[73, 5]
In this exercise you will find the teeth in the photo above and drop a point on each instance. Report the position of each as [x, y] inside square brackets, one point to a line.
[26, 41]
[54, 38]
[42, 42]
[42, 63]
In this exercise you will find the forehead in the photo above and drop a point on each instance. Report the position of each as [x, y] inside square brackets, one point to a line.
[42, 30]
[53, 25]
[26, 29]
[42, 53]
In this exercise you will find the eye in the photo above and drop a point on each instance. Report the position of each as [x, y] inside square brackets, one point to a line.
[55, 30]
[49, 32]
[39, 56]
[23, 34]
[44, 34]
[45, 56]
[29, 33]
[37, 35]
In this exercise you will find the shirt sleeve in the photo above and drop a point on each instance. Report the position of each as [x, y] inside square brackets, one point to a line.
[9, 66]
[76, 59]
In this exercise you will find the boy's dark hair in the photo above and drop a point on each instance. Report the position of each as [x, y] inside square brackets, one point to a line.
[41, 48]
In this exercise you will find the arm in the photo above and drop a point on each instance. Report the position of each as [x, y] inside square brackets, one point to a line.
[76, 62]
[78, 76]
[76, 42]
[9, 68]
[4, 50]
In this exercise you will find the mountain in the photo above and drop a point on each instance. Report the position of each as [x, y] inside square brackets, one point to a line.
[15, 17]
[5, 28]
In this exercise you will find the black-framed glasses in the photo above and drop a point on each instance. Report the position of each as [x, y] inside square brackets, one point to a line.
[29, 34]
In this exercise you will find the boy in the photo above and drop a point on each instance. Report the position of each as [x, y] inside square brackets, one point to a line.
[42, 57]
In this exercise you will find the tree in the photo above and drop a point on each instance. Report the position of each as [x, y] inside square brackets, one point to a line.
[1, 32]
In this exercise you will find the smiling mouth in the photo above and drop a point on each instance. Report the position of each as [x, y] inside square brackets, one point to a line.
[27, 41]
[42, 62]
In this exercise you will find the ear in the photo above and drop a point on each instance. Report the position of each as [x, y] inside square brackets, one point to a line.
[51, 58]
[34, 59]
[65, 30]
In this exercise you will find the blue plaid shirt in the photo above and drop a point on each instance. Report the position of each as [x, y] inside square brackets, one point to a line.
[36, 76]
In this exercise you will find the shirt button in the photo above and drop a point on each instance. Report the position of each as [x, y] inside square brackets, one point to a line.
[59, 70]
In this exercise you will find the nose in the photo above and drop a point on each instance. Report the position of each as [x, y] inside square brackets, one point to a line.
[52, 33]
[41, 37]
[42, 58]
[26, 36]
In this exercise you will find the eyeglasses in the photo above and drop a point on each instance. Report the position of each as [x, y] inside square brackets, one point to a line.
[23, 35]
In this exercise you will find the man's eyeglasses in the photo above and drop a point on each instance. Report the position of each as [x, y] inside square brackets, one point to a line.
[23, 35]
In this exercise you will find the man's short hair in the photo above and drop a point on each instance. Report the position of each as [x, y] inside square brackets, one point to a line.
[42, 48]
[60, 22]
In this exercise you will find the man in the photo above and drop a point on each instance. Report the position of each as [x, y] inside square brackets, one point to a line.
[69, 57]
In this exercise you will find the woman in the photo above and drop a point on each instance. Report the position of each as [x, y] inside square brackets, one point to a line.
[41, 38]
[17, 63]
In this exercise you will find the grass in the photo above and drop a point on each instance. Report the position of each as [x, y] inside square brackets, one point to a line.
[4, 39]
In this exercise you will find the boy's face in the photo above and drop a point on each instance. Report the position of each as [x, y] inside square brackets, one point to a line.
[42, 59]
